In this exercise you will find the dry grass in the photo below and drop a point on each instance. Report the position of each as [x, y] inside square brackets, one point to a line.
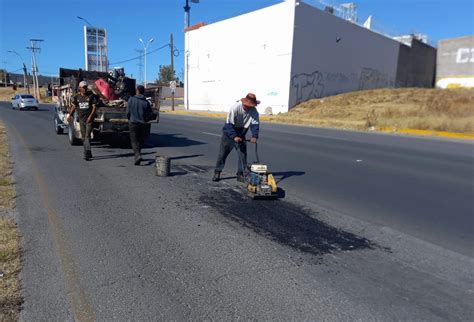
[449, 110]
[10, 253]
[10, 266]
[6, 94]
[7, 193]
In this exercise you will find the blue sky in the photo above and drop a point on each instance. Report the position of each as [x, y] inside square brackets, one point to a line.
[55, 21]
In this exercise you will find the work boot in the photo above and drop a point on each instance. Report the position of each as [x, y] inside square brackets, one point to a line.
[138, 160]
[217, 176]
[88, 156]
[240, 177]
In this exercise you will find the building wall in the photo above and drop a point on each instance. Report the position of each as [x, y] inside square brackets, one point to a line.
[248, 53]
[332, 56]
[455, 63]
[416, 65]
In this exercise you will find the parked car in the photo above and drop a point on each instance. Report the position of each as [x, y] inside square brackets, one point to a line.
[24, 101]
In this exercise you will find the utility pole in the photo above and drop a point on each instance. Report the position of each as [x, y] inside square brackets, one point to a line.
[172, 70]
[25, 82]
[5, 73]
[34, 49]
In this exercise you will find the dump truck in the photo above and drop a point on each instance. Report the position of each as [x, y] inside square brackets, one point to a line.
[113, 90]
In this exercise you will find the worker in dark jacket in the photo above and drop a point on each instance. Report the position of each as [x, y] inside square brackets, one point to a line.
[242, 116]
[138, 113]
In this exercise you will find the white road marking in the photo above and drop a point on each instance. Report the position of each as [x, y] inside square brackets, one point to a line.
[213, 134]
[359, 160]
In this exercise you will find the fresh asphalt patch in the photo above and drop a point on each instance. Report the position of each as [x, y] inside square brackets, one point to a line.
[284, 222]
[281, 221]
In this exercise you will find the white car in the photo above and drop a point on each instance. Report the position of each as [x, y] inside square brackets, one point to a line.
[24, 101]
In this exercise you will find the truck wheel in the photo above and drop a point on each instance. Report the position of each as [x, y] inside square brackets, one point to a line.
[59, 130]
[72, 135]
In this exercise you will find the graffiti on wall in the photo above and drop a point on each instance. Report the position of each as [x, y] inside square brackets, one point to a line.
[372, 78]
[307, 86]
[318, 84]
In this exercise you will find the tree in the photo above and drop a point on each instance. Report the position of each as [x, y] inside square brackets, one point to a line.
[166, 75]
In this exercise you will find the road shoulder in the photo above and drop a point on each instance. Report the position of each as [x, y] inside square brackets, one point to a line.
[10, 250]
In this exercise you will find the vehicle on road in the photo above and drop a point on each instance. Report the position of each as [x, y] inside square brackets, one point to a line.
[113, 90]
[24, 102]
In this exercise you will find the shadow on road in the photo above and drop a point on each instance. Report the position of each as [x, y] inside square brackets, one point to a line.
[120, 155]
[228, 178]
[122, 141]
[169, 140]
[280, 176]
[186, 156]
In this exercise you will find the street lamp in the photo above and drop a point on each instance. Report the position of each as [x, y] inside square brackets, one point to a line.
[24, 70]
[187, 19]
[187, 10]
[145, 47]
[98, 52]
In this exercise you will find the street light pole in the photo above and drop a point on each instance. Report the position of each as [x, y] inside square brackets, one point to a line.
[146, 47]
[24, 70]
[187, 20]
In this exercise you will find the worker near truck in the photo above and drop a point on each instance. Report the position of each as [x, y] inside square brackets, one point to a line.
[242, 116]
[138, 113]
[84, 104]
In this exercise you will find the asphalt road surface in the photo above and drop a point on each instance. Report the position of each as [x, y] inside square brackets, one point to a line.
[372, 227]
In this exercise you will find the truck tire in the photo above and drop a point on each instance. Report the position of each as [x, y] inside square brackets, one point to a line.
[72, 135]
[59, 129]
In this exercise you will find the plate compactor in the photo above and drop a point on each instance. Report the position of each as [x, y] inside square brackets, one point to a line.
[260, 182]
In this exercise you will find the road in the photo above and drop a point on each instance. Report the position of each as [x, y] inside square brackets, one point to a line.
[372, 227]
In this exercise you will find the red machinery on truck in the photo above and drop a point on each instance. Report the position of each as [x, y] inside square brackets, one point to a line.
[113, 88]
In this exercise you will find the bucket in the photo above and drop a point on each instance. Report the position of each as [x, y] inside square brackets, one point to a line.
[162, 165]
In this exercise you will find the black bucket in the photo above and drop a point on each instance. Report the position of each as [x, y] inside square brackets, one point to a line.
[162, 165]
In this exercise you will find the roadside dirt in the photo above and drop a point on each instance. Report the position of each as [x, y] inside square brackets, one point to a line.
[10, 251]
[449, 110]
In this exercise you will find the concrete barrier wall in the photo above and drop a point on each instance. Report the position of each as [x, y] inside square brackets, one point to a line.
[455, 62]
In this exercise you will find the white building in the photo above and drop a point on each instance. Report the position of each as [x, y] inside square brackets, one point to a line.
[288, 53]
[455, 65]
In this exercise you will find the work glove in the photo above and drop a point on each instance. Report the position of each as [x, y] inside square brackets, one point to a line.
[253, 140]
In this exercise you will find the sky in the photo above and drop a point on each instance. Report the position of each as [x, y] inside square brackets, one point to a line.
[126, 21]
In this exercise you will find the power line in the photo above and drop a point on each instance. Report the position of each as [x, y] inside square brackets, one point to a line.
[141, 56]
